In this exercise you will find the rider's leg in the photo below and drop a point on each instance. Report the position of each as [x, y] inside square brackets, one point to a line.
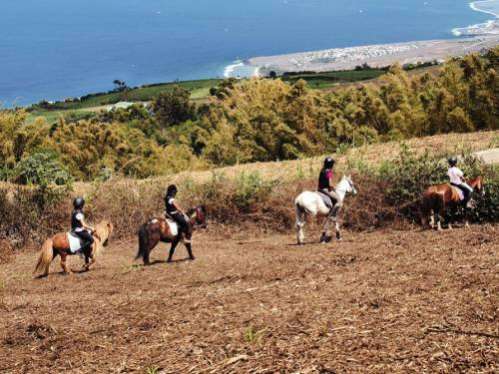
[185, 226]
[88, 239]
[468, 191]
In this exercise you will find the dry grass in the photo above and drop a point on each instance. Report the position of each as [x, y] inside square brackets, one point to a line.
[289, 170]
[388, 301]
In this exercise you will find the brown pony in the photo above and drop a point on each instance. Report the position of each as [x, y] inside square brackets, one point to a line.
[59, 245]
[437, 199]
[158, 230]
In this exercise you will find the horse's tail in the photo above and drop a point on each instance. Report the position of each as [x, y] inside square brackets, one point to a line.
[45, 258]
[143, 243]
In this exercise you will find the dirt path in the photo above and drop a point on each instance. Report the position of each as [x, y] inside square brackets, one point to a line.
[377, 302]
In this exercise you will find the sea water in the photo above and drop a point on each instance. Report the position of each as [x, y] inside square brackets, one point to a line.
[54, 49]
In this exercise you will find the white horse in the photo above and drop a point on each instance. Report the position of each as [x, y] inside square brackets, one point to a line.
[309, 202]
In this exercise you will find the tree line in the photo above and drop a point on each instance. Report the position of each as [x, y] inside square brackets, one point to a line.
[253, 120]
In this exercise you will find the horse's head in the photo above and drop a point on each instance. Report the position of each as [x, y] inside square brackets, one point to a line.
[478, 185]
[197, 215]
[104, 230]
[350, 185]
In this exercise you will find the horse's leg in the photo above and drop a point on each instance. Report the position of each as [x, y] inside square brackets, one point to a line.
[188, 246]
[325, 237]
[432, 218]
[151, 244]
[172, 249]
[466, 218]
[300, 222]
[439, 215]
[337, 227]
[63, 263]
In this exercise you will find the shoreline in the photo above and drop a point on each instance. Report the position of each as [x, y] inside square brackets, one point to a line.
[473, 38]
[376, 55]
[475, 5]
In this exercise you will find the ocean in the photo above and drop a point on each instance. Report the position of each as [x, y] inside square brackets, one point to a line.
[55, 49]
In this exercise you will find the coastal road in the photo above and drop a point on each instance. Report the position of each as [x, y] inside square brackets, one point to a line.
[490, 156]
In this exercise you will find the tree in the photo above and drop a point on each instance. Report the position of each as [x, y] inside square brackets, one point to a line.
[173, 107]
[120, 85]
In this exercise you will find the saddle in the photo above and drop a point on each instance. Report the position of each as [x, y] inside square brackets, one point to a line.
[75, 243]
[173, 226]
[328, 201]
[458, 191]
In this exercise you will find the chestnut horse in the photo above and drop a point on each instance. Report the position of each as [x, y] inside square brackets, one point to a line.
[162, 230]
[437, 199]
[59, 245]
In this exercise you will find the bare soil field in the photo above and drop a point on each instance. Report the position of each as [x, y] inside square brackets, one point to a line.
[386, 301]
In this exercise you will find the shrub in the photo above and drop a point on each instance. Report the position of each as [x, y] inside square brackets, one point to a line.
[42, 168]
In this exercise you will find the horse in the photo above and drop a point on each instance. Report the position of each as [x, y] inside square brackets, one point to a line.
[59, 245]
[437, 199]
[313, 203]
[165, 230]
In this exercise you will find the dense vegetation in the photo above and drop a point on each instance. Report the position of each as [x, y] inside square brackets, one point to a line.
[388, 194]
[254, 120]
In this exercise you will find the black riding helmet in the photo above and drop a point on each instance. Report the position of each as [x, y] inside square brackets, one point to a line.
[78, 203]
[452, 161]
[171, 190]
[329, 162]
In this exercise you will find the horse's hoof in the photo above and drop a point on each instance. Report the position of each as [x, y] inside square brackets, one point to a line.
[192, 258]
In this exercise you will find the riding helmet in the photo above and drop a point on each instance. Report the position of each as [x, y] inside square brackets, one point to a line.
[452, 161]
[329, 162]
[171, 190]
[78, 203]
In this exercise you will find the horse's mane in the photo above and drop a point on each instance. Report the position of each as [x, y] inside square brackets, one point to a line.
[194, 209]
[103, 230]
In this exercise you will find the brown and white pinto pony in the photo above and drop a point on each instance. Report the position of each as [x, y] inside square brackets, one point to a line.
[58, 245]
[437, 199]
[158, 230]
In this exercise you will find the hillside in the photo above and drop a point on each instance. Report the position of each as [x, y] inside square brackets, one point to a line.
[391, 298]
[387, 301]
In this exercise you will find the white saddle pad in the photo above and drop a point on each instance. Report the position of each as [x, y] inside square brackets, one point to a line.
[171, 224]
[459, 192]
[74, 242]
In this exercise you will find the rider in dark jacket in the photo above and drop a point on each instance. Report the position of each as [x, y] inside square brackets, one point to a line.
[78, 225]
[174, 212]
[325, 185]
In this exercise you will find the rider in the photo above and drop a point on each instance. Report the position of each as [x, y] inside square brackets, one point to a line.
[78, 225]
[174, 211]
[325, 186]
[456, 179]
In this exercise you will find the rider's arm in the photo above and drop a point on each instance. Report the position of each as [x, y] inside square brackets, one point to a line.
[330, 178]
[177, 207]
[87, 227]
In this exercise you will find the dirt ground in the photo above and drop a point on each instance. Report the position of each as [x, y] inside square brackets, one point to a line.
[386, 301]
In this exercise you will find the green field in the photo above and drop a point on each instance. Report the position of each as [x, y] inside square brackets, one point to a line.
[199, 89]
[327, 80]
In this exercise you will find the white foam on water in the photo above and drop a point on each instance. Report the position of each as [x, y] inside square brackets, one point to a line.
[490, 27]
[240, 70]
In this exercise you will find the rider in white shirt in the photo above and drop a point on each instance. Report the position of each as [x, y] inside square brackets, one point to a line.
[456, 179]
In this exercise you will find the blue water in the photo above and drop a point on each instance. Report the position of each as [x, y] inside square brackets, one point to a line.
[53, 49]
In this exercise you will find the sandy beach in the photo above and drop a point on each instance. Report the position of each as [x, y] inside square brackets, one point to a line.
[379, 55]
[473, 38]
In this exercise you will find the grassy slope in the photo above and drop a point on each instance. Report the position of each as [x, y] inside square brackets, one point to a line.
[308, 167]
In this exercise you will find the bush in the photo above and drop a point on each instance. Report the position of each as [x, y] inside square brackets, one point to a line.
[409, 175]
[42, 168]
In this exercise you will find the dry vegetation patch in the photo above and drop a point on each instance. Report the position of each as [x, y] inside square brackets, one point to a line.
[387, 301]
